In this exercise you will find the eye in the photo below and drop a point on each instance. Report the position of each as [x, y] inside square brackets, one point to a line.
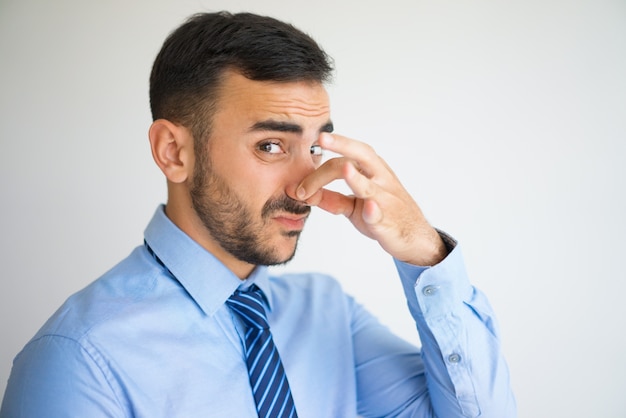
[316, 150]
[271, 148]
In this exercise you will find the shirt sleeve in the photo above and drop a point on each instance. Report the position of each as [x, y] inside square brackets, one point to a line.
[460, 370]
[66, 379]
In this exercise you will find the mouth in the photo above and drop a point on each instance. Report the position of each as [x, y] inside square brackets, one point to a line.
[291, 221]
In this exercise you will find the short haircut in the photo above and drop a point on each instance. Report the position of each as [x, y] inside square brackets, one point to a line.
[186, 75]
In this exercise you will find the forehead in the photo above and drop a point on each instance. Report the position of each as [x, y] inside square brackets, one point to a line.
[301, 100]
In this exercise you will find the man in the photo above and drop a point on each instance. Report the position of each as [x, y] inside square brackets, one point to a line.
[180, 327]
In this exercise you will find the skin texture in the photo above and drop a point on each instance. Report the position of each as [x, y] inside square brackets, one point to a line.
[246, 199]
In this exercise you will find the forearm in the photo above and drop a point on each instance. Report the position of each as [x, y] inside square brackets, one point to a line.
[465, 371]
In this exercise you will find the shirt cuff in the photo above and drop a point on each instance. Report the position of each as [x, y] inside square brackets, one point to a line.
[438, 290]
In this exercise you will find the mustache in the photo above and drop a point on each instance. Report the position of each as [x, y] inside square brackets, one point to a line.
[285, 204]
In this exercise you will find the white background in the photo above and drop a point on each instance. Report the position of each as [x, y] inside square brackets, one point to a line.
[505, 120]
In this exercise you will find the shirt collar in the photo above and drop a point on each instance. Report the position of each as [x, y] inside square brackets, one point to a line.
[259, 277]
[204, 277]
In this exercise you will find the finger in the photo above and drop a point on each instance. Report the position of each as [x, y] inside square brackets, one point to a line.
[337, 203]
[334, 202]
[366, 159]
[372, 214]
[328, 172]
[361, 186]
[368, 192]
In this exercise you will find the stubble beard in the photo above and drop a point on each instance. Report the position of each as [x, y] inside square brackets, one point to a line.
[232, 225]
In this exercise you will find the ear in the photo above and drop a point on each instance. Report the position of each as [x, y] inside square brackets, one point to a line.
[172, 149]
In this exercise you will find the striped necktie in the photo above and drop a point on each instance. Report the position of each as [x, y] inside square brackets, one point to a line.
[267, 376]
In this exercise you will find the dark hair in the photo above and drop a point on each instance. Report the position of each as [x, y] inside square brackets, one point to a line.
[187, 71]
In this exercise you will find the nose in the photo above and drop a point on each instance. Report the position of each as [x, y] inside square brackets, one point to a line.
[300, 168]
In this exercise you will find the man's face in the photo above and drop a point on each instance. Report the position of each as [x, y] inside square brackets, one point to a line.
[263, 142]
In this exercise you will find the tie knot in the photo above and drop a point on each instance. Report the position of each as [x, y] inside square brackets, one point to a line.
[248, 305]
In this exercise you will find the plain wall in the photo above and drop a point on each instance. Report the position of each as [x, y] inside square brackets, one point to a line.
[505, 120]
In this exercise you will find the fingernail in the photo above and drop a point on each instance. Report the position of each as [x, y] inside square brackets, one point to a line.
[300, 193]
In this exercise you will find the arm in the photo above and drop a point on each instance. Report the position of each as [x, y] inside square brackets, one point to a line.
[459, 372]
[464, 371]
[467, 373]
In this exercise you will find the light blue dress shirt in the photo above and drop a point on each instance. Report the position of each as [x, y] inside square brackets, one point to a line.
[148, 341]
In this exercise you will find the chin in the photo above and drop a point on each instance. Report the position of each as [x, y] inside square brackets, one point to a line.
[286, 255]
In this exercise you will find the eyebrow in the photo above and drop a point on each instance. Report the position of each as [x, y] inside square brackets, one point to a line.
[278, 126]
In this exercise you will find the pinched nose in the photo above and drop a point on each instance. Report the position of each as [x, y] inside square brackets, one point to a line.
[299, 170]
[290, 191]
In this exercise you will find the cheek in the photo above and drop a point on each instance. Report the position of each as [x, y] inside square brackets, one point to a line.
[254, 181]
[258, 185]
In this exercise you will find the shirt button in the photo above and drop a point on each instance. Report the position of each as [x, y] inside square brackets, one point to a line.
[454, 358]
[430, 290]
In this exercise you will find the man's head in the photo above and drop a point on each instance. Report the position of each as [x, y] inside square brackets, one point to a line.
[239, 103]
[188, 70]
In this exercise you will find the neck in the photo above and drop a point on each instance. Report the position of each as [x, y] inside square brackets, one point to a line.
[186, 219]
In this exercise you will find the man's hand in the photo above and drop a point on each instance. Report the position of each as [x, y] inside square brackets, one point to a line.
[380, 208]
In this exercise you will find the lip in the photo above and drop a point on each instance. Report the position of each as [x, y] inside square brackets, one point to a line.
[291, 221]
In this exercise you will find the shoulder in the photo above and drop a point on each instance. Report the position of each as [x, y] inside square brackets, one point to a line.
[67, 363]
[53, 375]
[128, 283]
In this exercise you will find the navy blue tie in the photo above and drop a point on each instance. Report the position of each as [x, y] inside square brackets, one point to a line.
[267, 376]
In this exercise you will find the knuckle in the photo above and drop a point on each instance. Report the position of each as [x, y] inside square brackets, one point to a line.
[369, 190]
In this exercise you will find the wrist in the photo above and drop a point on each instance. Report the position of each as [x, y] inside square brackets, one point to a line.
[430, 249]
